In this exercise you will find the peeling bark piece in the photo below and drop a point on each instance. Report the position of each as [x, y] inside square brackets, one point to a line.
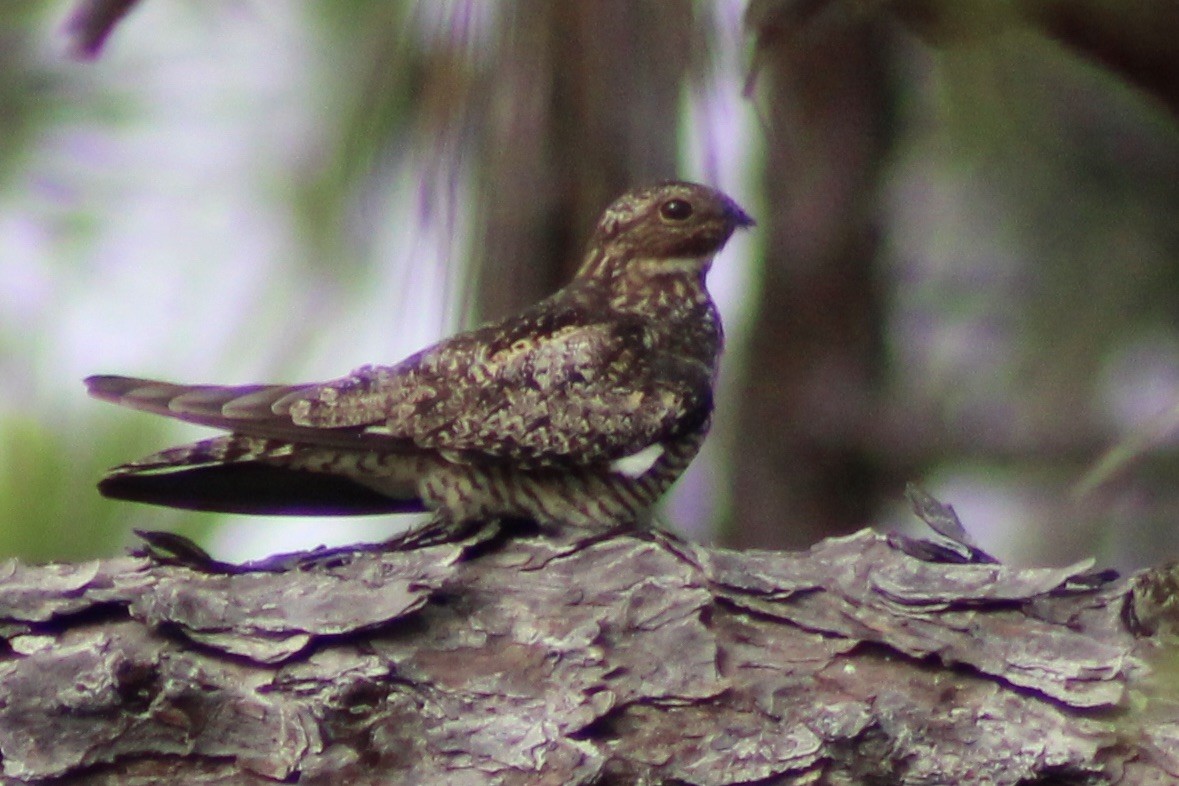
[558, 658]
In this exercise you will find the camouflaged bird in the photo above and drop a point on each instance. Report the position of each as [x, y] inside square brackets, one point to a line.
[582, 409]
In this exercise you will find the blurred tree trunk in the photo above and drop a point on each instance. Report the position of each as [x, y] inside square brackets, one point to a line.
[582, 104]
[802, 470]
[814, 404]
[1134, 39]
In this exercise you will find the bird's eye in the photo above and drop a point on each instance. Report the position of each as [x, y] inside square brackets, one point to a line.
[676, 210]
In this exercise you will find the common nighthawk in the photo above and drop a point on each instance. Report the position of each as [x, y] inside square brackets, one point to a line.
[582, 409]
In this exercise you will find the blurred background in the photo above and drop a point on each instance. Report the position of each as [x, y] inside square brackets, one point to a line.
[964, 271]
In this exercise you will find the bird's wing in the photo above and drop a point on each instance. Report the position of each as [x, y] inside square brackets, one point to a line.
[569, 394]
[575, 394]
[242, 409]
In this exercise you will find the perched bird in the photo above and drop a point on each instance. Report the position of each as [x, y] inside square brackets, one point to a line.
[582, 409]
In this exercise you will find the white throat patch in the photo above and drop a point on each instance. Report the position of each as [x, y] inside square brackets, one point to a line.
[672, 265]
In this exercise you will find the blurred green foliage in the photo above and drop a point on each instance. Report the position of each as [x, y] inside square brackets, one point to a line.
[49, 507]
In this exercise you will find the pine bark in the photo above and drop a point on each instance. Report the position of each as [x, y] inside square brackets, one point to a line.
[560, 658]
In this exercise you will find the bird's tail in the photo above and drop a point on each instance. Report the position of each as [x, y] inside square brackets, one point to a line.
[243, 474]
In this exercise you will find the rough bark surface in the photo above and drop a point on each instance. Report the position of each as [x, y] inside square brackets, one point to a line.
[621, 659]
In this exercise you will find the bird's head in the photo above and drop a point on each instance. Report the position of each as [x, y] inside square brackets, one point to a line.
[684, 224]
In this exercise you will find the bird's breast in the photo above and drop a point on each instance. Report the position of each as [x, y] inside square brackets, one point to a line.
[601, 496]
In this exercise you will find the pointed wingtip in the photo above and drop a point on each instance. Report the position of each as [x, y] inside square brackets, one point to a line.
[109, 387]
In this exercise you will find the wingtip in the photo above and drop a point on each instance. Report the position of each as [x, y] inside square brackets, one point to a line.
[144, 394]
[108, 386]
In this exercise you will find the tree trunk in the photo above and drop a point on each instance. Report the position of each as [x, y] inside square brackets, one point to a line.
[566, 659]
[805, 469]
[579, 102]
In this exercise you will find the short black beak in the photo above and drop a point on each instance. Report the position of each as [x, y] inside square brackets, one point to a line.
[740, 217]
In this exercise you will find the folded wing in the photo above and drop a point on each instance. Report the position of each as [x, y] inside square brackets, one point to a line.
[571, 395]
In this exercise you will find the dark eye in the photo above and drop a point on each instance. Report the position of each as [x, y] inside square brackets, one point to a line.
[676, 210]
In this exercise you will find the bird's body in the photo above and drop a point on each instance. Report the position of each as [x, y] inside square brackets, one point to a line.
[582, 409]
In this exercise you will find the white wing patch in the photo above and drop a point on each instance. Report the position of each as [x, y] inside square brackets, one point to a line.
[637, 464]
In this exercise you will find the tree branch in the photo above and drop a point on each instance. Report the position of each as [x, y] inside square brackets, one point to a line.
[554, 659]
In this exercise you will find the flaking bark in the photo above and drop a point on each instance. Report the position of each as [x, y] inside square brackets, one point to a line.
[558, 659]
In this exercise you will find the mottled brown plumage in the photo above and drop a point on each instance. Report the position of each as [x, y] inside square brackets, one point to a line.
[582, 409]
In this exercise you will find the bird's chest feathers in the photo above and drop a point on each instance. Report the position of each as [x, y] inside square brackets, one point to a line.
[661, 286]
[669, 296]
